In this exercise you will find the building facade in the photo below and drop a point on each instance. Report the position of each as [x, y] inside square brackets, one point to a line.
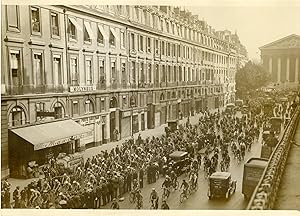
[281, 59]
[109, 68]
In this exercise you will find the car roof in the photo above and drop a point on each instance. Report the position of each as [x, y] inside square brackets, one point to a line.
[178, 154]
[220, 175]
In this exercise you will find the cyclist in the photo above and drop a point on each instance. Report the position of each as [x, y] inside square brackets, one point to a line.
[139, 198]
[135, 187]
[185, 186]
[166, 186]
[154, 198]
[164, 205]
[173, 178]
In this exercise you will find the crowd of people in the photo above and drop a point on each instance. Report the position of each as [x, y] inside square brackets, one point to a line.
[107, 176]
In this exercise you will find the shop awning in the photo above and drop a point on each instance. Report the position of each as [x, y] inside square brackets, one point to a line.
[51, 134]
[89, 30]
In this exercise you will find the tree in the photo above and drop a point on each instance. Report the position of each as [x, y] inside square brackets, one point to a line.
[250, 78]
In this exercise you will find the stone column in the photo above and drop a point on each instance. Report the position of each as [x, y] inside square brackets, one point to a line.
[270, 67]
[278, 69]
[297, 70]
[288, 69]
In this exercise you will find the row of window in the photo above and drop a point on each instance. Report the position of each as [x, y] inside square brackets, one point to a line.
[159, 22]
[167, 49]
[138, 72]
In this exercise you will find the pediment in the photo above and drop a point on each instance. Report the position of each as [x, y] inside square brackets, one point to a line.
[292, 41]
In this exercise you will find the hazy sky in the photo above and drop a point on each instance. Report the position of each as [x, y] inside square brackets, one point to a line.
[256, 26]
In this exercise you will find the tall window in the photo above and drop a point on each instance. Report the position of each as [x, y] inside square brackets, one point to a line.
[57, 70]
[100, 37]
[133, 72]
[15, 67]
[102, 104]
[74, 70]
[72, 28]
[156, 73]
[163, 74]
[113, 71]
[142, 75]
[174, 50]
[180, 74]
[149, 72]
[123, 71]
[122, 39]
[35, 20]
[54, 24]
[12, 13]
[38, 69]
[112, 39]
[88, 71]
[141, 43]
[132, 41]
[169, 49]
[75, 108]
[16, 116]
[101, 71]
[163, 48]
[148, 44]
[156, 47]
[169, 73]
[89, 107]
[86, 36]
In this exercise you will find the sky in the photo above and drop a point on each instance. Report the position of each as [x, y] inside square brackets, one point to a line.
[256, 26]
[257, 22]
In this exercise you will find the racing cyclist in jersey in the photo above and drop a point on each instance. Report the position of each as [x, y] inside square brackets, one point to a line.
[154, 198]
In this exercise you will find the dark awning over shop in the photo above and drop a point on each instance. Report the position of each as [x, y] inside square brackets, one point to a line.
[51, 134]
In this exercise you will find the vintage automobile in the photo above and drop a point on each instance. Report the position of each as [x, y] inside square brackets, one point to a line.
[253, 170]
[221, 185]
[276, 124]
[181, 161]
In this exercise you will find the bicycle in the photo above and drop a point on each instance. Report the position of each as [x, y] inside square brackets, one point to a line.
[132, 197]
[175, 184]
[139, 204]
[154, 204]
[166, 193]
[184, 195]
[194, 187]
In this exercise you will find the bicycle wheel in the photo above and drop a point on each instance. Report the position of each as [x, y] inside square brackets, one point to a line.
[176, 185]
[131, 197]
[181, 197]
[164, 196]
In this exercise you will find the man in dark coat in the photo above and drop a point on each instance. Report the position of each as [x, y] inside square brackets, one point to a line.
[141, 178]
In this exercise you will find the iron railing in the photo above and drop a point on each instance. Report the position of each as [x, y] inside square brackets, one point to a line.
[265, 193]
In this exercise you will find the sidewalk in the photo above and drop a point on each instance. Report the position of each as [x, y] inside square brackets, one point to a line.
[158, 131]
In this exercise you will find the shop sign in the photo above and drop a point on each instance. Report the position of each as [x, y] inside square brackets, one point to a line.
[82, 88]
[126, 114]
[45, 114]
[58, 142]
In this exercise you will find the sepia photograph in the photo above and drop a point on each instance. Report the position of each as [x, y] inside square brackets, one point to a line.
[137, 105]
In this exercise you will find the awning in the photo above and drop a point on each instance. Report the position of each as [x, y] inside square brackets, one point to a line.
[75, 23]
[89, 30]
[101, 29]
[51, 134]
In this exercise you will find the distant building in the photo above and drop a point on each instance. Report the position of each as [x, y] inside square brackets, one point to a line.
[122, 67]
[281, 58]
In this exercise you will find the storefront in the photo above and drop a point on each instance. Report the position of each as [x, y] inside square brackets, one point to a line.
[135, 123]
[157, 115]
[125, 124]
[41, 142]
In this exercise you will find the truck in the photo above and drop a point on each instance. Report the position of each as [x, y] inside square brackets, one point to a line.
[253, 170]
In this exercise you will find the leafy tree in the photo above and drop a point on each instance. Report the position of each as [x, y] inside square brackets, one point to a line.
[249, 78]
